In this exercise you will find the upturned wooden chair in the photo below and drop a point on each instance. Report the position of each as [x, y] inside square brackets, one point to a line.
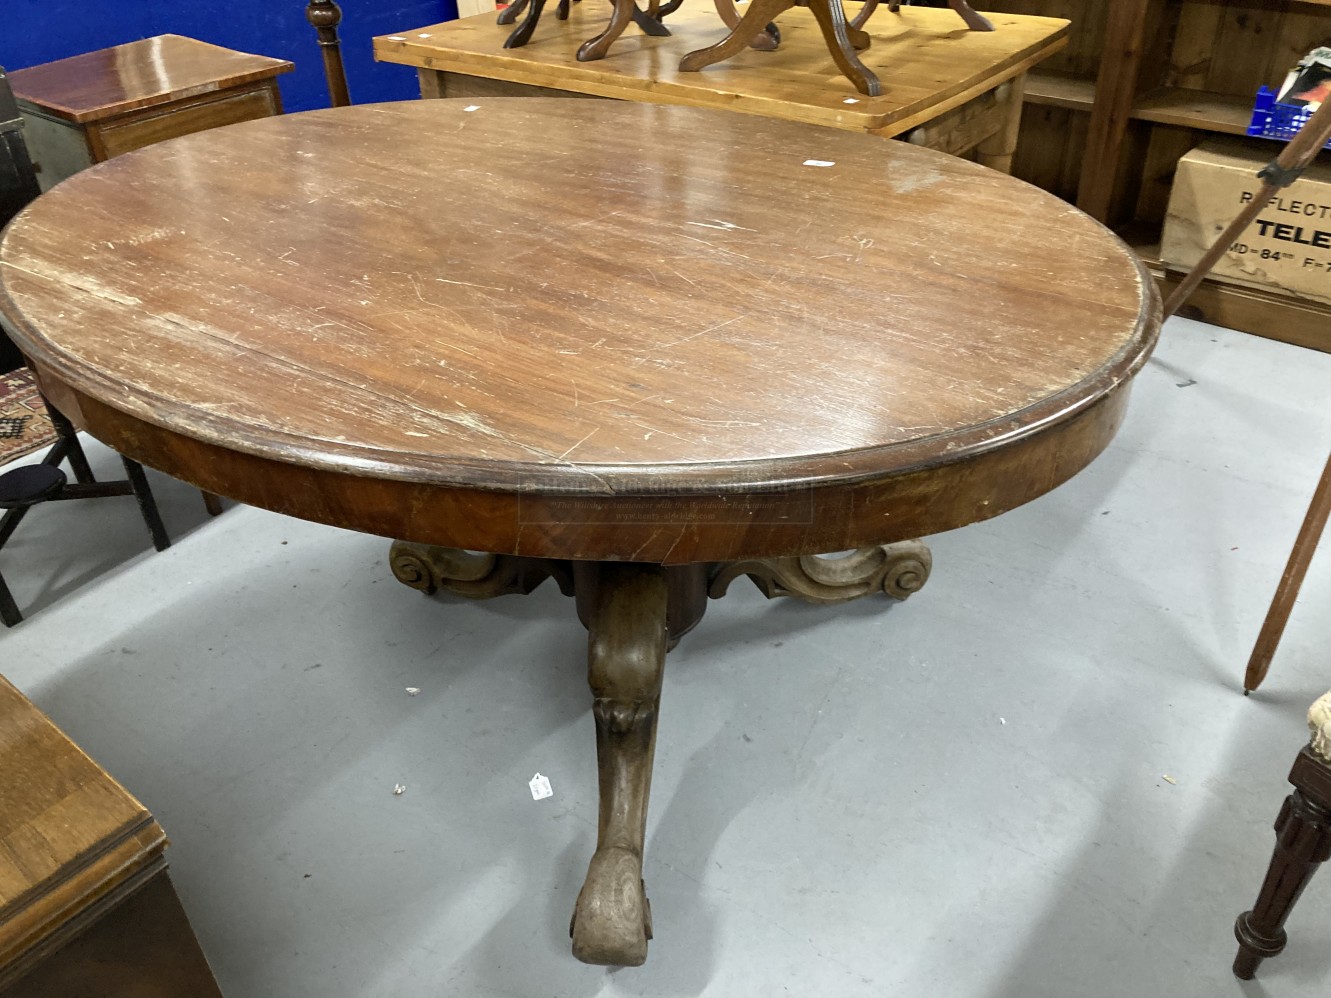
[29, 485]
[1303, 843]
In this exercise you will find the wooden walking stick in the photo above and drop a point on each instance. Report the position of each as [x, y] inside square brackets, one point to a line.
[1286, 168]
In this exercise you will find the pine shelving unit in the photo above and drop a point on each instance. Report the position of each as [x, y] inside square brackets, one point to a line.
[1142, 82]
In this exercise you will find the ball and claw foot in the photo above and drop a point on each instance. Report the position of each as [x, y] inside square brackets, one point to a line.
[612, 920]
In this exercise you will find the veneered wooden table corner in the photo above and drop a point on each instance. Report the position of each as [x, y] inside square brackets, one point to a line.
[928, 60]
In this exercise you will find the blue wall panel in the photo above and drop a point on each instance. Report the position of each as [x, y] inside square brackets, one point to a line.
[37, 31]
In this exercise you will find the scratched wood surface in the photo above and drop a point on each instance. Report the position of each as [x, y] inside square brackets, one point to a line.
[928, 61]
[145, 73]
[581, 329]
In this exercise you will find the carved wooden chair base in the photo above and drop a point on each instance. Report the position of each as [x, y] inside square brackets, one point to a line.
[635, 613]
[973, 18]
[844, 38]
[623, 13]
[1303, 843]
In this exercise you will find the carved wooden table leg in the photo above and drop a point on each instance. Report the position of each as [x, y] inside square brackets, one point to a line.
[974, 20]
[522, 34]
[765, 41]
[635, 613]
[510, 13]
[1303, 842]
[866, 12]
[620, 18]
[895, 569]
[831, 18]
[625, 607]
[755, 20]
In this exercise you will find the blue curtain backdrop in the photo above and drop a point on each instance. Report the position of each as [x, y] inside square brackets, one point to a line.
[37, 31]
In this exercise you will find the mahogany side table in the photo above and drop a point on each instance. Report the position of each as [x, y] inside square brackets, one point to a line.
[642, 350]
[90, 107]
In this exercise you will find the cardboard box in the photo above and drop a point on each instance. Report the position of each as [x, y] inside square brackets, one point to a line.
[1288, 247]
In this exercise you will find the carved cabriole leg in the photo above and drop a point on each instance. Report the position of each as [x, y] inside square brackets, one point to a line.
[471, 573]
[766, 40]
[1303, 842]
[621, 14]
[510, 13]
[831, 18]
[521, 35]
[866, 12]
[974, 20]
[895, 569]
[754, 21]
[648, 22]
[625, 606]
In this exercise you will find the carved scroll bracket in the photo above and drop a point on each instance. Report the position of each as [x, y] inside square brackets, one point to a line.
[473, 574]
[894, 569]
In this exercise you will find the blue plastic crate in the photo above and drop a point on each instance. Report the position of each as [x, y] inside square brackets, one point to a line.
[1276, 121]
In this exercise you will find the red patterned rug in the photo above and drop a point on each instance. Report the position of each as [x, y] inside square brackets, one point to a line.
[24, 424]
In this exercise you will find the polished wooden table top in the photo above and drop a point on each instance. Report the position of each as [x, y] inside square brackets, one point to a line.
[146, 73]
[927, 59]
[581, 329]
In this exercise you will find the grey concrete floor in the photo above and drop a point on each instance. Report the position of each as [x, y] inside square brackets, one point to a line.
[960, 795]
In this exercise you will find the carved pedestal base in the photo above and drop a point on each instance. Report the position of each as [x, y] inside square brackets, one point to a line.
[634, 613]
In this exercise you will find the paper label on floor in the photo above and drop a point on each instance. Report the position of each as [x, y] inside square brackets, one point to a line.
[540, 787]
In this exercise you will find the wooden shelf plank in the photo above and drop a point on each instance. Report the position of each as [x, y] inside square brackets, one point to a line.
[1269, 314]
[1061, 90]
[1199, 109]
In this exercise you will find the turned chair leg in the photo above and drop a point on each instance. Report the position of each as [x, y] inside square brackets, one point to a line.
[1303, 842]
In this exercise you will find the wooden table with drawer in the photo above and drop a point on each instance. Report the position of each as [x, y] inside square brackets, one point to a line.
[88, 108]
[944, 87]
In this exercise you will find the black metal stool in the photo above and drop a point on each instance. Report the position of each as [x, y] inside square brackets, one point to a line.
[32, 484]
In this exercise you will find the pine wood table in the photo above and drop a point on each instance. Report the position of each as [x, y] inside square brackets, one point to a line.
[642, 350]
[90, 107]
[945, 86]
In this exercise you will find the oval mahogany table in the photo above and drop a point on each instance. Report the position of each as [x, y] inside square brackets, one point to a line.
[640, 349]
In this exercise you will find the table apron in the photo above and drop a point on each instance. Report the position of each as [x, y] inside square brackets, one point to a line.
[672, 527]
